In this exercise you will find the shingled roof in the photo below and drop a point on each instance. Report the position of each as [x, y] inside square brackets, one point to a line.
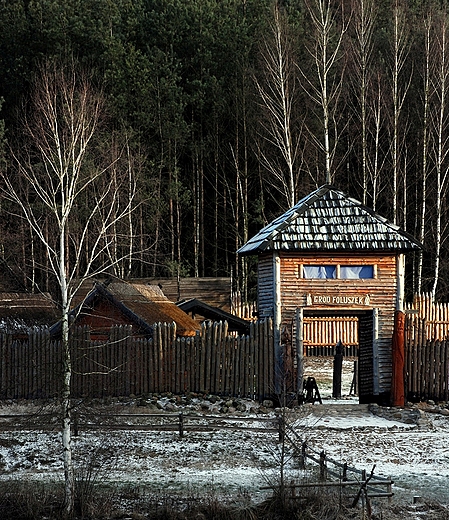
[328, 220]
[144, 305]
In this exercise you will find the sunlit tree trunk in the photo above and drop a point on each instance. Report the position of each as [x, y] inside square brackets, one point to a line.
[421, 215]
[377, 159]
[440, 128]
[364, 15]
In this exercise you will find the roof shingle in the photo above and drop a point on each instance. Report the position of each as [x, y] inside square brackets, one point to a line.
[328, 220]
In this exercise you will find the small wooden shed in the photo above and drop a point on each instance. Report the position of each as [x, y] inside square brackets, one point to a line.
[331, 256]
[115, 302]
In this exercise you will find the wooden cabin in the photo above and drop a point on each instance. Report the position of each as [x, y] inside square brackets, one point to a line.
[115, 302]
[331, 257]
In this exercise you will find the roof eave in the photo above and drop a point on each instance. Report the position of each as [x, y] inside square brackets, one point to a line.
[383, 250]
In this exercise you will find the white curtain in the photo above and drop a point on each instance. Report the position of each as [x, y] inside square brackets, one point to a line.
[356, 272]
[319, 271]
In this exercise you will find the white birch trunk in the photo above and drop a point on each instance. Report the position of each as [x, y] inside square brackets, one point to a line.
[277, 94]
[325, 51]
[425, 151]
[365, 16]
[442, 148]
[400, 52]
[69, 479]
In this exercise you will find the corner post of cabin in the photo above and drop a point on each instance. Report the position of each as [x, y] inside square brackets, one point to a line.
[400, 270]
[299, 320]
[277, 318]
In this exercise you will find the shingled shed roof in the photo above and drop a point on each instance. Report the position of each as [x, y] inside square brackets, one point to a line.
[328, 220]
[149, 305]
[143, 304]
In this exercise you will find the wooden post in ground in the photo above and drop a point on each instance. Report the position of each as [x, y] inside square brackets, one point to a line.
[181, 425]
[397, 383]
[338, 368]
[354, 390]
[302, 457]
[323, 466]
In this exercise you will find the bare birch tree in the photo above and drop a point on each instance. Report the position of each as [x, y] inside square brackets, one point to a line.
[377, 158]
[329, 27]
[364, 16]
[425, 147]
[52, 179]
[440, 130]
[400, 51]
[278, 92]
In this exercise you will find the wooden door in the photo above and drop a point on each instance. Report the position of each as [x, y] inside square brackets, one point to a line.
[366, 358]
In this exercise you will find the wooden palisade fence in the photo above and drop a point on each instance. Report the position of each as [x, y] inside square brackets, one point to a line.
[321, 334]
[427, 349]
[211, 362]
[436, 316]
[426, 363]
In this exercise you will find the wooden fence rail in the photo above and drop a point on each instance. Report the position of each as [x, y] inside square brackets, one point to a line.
[335, 473]
[211, 362]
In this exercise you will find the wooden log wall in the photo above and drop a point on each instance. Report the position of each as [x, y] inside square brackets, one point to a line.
[336, 297]
[212, 362]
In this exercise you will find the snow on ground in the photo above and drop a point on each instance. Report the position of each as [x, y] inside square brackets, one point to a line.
[417, 458]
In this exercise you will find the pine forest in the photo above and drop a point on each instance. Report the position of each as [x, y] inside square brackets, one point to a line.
[190, 124]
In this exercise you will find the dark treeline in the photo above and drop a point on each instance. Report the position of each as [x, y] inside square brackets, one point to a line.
[227, 112]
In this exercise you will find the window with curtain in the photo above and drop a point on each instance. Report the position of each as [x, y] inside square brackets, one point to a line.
[319, 271]
[343, 272]
[356, 272]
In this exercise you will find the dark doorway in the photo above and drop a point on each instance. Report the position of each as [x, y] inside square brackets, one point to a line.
[367, 367]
